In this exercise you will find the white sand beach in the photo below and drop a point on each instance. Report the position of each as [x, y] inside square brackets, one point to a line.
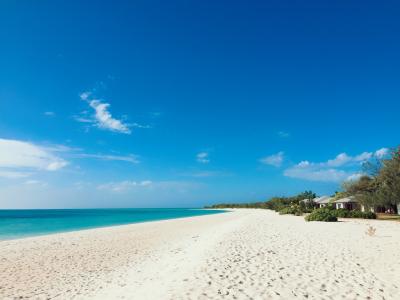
[245, 254]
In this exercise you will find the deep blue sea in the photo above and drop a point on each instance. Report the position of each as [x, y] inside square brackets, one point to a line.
[24, 223]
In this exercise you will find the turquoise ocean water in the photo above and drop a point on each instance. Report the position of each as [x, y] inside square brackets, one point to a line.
[26, 223]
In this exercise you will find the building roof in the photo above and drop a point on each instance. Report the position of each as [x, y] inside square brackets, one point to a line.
[347, 200]
[322, 200]
[326, 200]
[306, 200]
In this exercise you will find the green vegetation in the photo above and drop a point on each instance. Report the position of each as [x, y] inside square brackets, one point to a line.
[362, 214]
[278, 203]
[284, 205]
[240, 205]
[291, 210]
[294, 206]
[381, 187]
[327, 214]
[321, 214]
[275, 203]
[344, 213]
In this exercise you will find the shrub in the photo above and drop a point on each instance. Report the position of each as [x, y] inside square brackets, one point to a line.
[321, 214]
[292, 210]
[286, 211]
[298, 213]
[341, 213]
[277, 204]
[306, 209]
[344, 213]
[369, 215]
[362, 215]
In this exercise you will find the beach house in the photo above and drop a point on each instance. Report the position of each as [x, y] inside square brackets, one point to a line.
[349, 203]
[322, 201]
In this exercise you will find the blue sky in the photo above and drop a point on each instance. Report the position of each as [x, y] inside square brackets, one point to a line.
[183, 103]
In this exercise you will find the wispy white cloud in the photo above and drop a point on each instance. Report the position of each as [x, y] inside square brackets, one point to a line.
[342, 167]
[49, 113]
[36, 183]
[137, 125]
[275, 160]
[14, 174]
[156, 114]
[205, 174]
[203, 157]
[19, 158]
[381, 153]
[354, 176]
[148, 186]
[339, 160]
[131, 158]
[82, 185]
[102, 117]
[85, 95]
[60, 148]
[314, 172]
[83, 119]
[344, 159]
[283, 134]
[123, 186]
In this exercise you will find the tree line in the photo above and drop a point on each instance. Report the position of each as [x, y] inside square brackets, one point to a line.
[378, 187]
[380, 184]
[275, 203]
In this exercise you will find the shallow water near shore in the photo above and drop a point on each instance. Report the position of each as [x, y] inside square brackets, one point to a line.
[33, 222]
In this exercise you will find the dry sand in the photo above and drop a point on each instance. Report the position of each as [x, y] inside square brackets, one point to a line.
[245, 254]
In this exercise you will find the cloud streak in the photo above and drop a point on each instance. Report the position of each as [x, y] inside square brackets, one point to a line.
[146, 186]
[21, 159]
[203, 158]
[14, 174]
[124, 186]
[18, 159]
[102, 117]
[275, 160]
[283, 134]
[207, 174]
[131, 158]
[315, 172]
[340, 168]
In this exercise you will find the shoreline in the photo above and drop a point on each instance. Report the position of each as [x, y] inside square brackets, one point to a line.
[244, 254]
[33, 235]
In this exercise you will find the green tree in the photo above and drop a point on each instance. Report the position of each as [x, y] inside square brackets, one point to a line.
[363, 189]
[382, 186]
[388, 178]
[306, 195]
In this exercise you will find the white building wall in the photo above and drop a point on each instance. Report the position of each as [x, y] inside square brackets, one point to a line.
[339, 205]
